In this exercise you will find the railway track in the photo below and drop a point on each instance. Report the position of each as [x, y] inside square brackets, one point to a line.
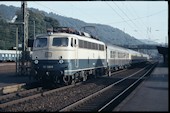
[19, 95]
[13, 93]
[107, 98]
[57, 99]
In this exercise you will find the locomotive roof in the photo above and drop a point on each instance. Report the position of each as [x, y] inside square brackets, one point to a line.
[70, 31]
[71, 35]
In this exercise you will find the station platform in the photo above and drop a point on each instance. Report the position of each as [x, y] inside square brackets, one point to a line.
[9, 79]
[151, 95]
[8, 75]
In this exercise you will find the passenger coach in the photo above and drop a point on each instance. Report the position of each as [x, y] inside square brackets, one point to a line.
[117, 57]
[8, 55]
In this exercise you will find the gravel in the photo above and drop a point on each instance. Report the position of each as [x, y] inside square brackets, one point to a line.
[58, 100]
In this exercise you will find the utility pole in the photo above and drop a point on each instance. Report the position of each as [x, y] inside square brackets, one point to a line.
[21, 63]
[34, 29]
[24, 36]
[17, 50]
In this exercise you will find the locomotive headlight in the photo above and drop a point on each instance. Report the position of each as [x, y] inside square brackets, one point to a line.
[36, 61]
[61, 61]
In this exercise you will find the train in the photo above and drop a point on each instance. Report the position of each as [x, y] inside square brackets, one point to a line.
[65, 55]
[8, 55]
[13, 55]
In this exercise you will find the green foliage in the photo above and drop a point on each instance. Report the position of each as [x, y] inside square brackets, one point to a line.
[51, 23]
[8, 32]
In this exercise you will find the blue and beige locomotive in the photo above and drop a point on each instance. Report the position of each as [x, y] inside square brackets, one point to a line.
[66, 56]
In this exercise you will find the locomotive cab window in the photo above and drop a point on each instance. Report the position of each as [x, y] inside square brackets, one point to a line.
[63, 42]
[40, 42]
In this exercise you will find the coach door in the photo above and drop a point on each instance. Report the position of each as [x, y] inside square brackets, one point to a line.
[76, 52]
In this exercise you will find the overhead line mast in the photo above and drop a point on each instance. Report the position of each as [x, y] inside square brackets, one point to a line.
[24, 37]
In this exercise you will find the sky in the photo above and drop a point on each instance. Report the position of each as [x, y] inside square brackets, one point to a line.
[140, 19]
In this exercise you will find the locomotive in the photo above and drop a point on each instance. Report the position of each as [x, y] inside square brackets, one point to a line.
[65, 55]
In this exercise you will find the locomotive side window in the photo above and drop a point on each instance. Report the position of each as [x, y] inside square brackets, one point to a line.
[90, 45]
[96, 47]
[85, 44]
[80, 43]
[93, 46]
[40, 42]
[60, 42]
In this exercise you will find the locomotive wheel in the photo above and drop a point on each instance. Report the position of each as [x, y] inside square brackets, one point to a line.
[67, 79]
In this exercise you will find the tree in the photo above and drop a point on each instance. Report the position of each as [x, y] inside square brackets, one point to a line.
[8, 32]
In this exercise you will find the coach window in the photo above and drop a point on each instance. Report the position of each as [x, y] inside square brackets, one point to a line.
[110, 54]
[124, 55]
[119, 55]
[114, 54]
[102, 47]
